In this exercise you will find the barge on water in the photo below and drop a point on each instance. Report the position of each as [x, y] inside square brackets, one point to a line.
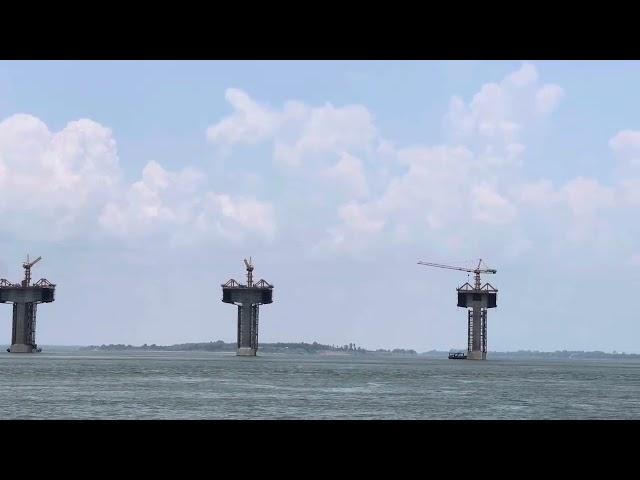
[457, 356]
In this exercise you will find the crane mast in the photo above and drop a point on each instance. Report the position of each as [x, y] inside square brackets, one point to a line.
[249, 266]
[27, 270]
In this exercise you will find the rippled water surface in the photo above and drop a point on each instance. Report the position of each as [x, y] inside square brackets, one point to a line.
[181, 385]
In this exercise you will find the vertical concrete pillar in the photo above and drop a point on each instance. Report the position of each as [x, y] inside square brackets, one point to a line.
[21, 336]
[476, 352]
[246, 330]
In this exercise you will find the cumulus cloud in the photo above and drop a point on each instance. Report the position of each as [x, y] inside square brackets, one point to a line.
[433, 188]
[297, 130]
[578, 209]
[500, 112]
[349, 174]
[250, 122]
[525, 76]
[60, 178]
[626, 145]
[430, 195]
[328, 129]
[400, 194]
[237, 217]
[477, 180]
[629, 192]
[468, 183]
[175, 204]
[161, 200]
[586, 196]
[548, 97]
[588, 202]
[356, 218]
[60, 184]
[538, 195]
[491, 207]
[359, 223]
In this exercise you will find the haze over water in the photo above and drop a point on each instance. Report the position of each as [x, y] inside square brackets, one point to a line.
[203, 385]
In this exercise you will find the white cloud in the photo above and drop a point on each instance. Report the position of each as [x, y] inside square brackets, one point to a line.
[431, 195]
[356, 218]
[297, 130]
[349, 174]
[237, 217]
[548, 97]
[433, 189]
[585, 196]
[626, 145]
[588, 203]
[629, 192]
[161, 201]
[491, 207]
[73, 175]
[526, 75]
[500, 112]
[174, 204]
[328, 129]
[249, 123]
[67, 183]
[446, 187]
[359, 224]
[514, 150]
[540, 194]
[61, 178]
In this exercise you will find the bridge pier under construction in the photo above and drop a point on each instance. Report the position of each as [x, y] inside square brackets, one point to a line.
[477, 299]
[25, 299]
[248, 299]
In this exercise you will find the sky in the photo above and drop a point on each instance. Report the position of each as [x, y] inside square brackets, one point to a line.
[144, 184]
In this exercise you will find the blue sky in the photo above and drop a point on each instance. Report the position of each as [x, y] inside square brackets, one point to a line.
[144, 185]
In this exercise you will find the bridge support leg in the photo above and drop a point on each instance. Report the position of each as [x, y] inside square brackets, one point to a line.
[247, 330]
[23, 335]
[477, 349]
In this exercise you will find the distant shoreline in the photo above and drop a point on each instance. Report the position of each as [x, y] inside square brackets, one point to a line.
[557, 355]
[314, 348]
[351, 349]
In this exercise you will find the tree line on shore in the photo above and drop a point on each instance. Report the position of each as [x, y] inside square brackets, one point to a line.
[220, 346]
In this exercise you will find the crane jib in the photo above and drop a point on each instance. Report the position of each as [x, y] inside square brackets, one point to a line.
[462, 269]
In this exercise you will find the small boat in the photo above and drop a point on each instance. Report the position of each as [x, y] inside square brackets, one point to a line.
[457, 356]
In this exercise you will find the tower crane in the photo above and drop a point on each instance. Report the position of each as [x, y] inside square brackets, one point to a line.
[477, 300]
[25, 298]
[476, 271]
[27, 270]
[249, 266]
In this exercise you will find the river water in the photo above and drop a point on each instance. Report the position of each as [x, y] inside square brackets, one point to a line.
[203, 385]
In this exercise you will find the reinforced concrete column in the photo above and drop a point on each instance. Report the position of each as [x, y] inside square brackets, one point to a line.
[476, 349]
[22, 325]
[244, 331]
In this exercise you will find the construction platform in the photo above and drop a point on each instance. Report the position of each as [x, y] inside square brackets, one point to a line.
[248, 298]
[25, 299]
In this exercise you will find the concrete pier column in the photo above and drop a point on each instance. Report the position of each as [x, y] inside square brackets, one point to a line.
[25, 299]
[247, 330]
[248, 299]
[476, 352]
[21, 336]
